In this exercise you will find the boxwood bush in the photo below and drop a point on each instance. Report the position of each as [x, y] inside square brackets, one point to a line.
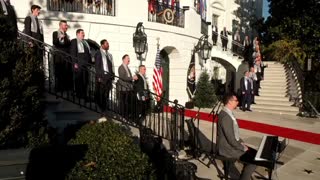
[112, 154]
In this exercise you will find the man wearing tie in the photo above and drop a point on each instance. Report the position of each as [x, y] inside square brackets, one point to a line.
[104, 75]
[142, 91]
[80, 52]
[125, 86]
[246, 87]
[62, 66]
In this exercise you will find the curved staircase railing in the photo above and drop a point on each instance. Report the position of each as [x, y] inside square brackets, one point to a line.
[164, 117]
[306, 108]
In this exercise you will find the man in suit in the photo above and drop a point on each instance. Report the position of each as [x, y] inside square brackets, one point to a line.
[10, 16]
[214, 34]
[125, 86]
[80, 52]
[104, 75]
[229, 143]
[246, 87]
[224, 39]
[33, 27]
[62, 66]
[142, 91]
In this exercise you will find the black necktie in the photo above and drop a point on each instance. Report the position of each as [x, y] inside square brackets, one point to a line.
[109, 64]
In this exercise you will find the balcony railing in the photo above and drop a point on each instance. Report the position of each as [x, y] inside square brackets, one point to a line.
[102, 7]
[166, 14]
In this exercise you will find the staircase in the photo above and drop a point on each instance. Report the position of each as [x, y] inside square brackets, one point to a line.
[273, 93]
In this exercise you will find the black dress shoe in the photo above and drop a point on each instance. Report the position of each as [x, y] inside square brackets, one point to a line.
[249, 110]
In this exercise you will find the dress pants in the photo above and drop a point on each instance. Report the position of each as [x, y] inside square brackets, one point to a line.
[249, 167]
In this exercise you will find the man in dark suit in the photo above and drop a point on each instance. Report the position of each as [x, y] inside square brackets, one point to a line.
[229, 143]
[246, 87]
[214, 34]
[142, 92]
[104, 75]
[80, 52]
[33, 27]
[10, 16]
[224, 39]
[125, 86]
[62, 66]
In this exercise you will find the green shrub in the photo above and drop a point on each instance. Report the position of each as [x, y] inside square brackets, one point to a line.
[111, 154]
[205, 96]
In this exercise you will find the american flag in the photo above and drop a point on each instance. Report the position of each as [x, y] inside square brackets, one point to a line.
[157, 76]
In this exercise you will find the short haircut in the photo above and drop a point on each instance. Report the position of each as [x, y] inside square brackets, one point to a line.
[141, 66]
[227, 97]
[33, 7]
[244, 73]
[102, 41]
[78, 31]
[124, 56]
[62, 21]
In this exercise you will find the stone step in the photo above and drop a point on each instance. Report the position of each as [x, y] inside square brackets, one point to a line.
[270, 98]
[273, 102]
[275, 77]
[275, 107]
[273, 95]
[275, 80]
[280, 88]
[272, 91]
[277, 112]
[267, 83]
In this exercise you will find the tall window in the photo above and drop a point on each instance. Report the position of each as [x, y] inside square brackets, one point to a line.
[214, 20]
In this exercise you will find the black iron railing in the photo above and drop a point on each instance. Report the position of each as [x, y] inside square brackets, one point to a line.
[165, 118]
[102, 7]
[166, 14]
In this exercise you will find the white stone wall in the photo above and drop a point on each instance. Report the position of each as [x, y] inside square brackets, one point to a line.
[120, 28]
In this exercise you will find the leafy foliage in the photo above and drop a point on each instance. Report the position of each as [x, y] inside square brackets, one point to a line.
[21, 88]
[111, 154]
[205, 92]
[285, 50]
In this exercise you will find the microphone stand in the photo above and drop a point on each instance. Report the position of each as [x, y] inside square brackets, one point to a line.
[214, 116]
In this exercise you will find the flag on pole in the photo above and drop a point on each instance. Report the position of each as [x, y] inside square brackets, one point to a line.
[157, 76]
[191, 77]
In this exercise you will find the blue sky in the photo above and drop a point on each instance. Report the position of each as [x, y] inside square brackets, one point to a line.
[265, 9]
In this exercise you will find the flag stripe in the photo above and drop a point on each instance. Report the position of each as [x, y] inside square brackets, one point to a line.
[157, 76]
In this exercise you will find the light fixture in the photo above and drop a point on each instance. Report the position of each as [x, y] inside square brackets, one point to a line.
[140, 42]
[204, 48]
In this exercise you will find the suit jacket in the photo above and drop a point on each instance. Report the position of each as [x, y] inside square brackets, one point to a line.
[82, 59]
[27, 29]
[11, 17]
[125, 82]
[227, 145]
[65, 46]
[243, 86]
[100, 73]
[139, 87]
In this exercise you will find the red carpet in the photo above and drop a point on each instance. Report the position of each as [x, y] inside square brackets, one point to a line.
[304, 136]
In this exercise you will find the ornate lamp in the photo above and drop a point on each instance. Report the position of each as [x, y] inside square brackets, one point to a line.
[204, 47]
[140, 42]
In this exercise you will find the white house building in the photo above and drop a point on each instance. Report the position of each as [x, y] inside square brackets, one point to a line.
[116, 20]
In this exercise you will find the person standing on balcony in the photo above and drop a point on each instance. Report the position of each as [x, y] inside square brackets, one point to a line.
[214, 34]
[229, 143]
[224, 39]
[125, 86]
[142, 91]
[33, 27]
[247, 51]
[246, 87]
[152, 10]
[80, 52]
[104, 75]
[62, 66]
